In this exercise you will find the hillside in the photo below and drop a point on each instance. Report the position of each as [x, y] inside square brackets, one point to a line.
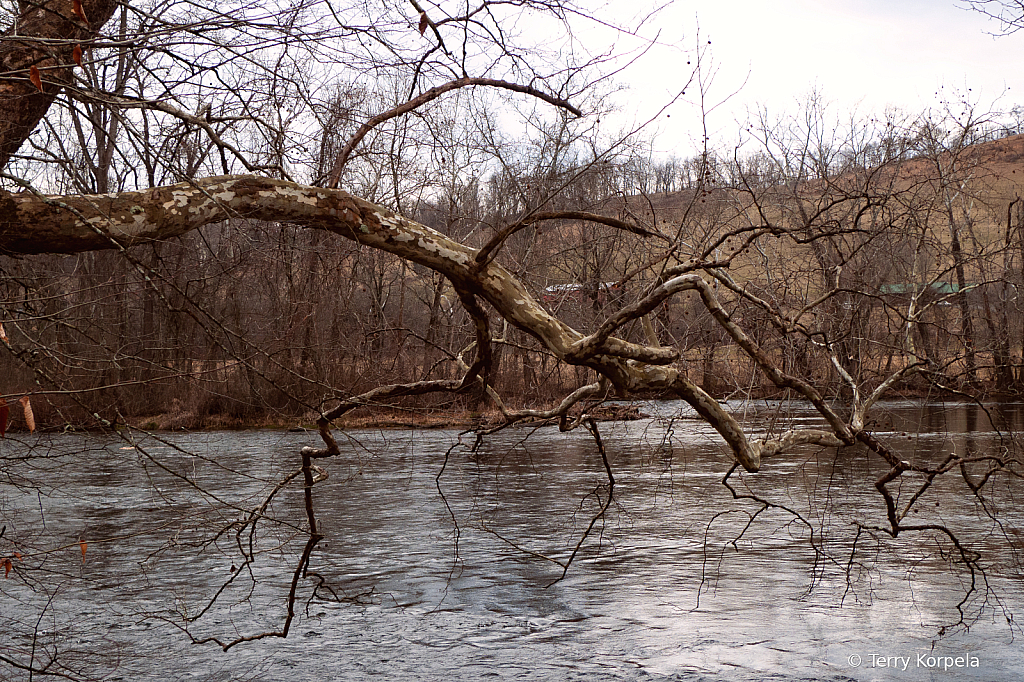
[999, 163]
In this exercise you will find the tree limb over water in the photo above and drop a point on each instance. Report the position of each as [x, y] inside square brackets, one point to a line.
[31, 223]
[819, 269]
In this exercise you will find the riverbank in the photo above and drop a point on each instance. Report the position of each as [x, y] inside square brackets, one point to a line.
[367, 418]
[179, 418]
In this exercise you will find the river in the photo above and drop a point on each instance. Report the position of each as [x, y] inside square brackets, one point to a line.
[438, 569]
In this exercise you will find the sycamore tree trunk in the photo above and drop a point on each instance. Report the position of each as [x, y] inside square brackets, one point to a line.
[30, 223]
[36, 59]
[35, 69]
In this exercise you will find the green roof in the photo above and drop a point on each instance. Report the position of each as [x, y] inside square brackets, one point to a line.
[936, 288]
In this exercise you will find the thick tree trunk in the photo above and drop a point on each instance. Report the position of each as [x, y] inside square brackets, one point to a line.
[30, 223]
[43, 38]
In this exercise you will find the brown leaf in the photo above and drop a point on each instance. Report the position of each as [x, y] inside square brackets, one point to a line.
[33, 75]
[3, 334]
[424, 22]
[30, 419]
[7, 567]
[83, 544]
[76, 54]
[80, 11]
[17, 555]
[4, 414]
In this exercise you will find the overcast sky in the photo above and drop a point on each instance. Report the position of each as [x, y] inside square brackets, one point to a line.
[861, 54]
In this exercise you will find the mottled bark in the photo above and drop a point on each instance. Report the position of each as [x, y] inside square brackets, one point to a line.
[30, 223]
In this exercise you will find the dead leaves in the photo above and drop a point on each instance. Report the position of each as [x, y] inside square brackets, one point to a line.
[33, 75]
[30, 418]
[76, 55]
[8, 564]
[5, 414]
[424, 22]
[79, 10]
[84, 545]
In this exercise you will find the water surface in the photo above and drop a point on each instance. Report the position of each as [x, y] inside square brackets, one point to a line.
[434, 556]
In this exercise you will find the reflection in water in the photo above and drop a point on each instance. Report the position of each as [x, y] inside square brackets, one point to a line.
[440, 577]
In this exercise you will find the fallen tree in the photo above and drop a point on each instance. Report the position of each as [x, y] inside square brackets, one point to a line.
[36, 224]
[835, 217]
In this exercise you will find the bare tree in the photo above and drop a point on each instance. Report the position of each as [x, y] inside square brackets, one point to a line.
[1009, 13]
[201, 144]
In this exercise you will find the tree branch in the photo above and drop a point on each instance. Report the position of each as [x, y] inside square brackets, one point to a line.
[334, 177]
[42, 37]
[33, 224]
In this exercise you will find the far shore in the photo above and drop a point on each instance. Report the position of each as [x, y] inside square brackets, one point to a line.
[372, 419]
[180, 420]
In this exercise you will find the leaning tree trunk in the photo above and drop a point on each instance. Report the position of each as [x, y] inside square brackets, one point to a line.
[40, 45]
[30, 223]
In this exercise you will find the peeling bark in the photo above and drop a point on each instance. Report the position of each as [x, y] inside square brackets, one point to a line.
[31, 223]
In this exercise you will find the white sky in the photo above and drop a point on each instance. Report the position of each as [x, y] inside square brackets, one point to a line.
[861, 54]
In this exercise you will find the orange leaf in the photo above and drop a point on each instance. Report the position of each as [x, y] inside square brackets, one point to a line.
[17, 555]
[79, 11]
[83, 545]
[76, 54]
[4, 413]
[7, 567]
[33, 75]
[30, 419]
[424, 22]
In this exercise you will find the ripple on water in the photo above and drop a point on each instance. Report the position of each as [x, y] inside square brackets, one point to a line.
[668, 588]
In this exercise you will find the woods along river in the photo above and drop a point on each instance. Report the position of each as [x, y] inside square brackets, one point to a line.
[437, 570]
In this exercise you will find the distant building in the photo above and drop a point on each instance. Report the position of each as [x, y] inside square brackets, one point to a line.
[576, 291]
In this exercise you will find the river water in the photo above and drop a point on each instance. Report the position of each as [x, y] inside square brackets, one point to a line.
[438, 557]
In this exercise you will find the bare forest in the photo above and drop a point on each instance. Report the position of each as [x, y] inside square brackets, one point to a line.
[298, 214]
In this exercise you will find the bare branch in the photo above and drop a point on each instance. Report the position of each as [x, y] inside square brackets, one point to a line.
[334, 177]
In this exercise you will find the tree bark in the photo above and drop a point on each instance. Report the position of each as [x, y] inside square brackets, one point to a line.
[31, 223]
[44, 36]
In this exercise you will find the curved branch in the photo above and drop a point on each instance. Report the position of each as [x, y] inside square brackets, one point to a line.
[560, 411]
[30, 223]
[416, 102]
[484, 255]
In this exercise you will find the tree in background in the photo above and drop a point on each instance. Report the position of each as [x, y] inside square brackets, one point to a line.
[309, 208]
[1010, 13]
